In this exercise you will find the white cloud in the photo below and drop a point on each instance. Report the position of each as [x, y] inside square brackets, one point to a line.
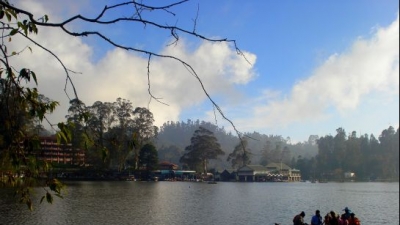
[341, 84]
[123, 74]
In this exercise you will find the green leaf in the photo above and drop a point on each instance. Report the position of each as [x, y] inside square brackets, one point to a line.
[34, 28]
[13, 31]
[65, 133]
[8, 16]
[12, 12]
[33, 74]
[58, 135]
[40, 114]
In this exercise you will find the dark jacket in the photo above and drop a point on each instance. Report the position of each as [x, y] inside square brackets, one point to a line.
[298, 220]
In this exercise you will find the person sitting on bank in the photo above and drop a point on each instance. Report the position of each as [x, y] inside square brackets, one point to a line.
[327, 218]
[299, 219]
[346, 213]
[316, 219]
[343, 220]
[333, 219]
[354, 220]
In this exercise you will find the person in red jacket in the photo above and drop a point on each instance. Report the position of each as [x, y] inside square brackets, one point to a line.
[354, 220]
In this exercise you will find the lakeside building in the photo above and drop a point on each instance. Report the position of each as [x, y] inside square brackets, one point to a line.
[228, 175]
[276, 172]
[51, 151]
[170, 171]
[270, 172]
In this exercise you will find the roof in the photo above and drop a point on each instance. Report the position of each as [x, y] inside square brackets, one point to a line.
[254, 168]
[278, 166]
[165, 163]
[229, 170]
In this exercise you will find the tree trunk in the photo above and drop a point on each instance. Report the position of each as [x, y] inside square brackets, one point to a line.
[205, 166]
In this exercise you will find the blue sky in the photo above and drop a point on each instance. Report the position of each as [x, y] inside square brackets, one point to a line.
[315, 65]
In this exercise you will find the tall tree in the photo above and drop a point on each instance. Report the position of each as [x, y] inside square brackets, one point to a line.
[122, 136]
[204, 146]
[79, 139]
[148, 158]
[325, 158]
[240, 157]
[102, 118]
[353, 158]
[389, 145]
[143, 129]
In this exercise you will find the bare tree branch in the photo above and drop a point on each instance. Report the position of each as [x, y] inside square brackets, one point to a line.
[148, 82]
[174, 30]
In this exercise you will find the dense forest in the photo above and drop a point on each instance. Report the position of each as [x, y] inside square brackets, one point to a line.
[325, 157]
[173, 137]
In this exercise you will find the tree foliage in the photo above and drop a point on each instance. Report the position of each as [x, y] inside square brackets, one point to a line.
[203, 147]
[327, 157]
[367, 157]
[238, 157]
[22, 108]
[114, 133]
[148, 157]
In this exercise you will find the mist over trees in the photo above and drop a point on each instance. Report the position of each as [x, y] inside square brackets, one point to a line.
[327, 157]
[203, 147]
[240, 157]
[261, 148]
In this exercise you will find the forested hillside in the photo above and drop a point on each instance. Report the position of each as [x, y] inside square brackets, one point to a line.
[173, 137]
[325, 157]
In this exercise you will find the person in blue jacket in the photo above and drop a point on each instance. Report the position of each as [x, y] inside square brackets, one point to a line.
[316, 219]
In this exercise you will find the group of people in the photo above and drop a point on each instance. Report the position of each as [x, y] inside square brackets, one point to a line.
[331, 218]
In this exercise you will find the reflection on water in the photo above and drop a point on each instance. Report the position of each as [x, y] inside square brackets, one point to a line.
[201, 203]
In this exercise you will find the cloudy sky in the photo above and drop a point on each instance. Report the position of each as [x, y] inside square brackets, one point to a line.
[310, 67]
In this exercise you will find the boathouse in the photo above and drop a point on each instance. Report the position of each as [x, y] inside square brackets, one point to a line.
[271, 172]
[250, 173]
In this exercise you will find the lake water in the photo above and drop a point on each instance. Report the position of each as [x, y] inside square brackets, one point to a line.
[187, 203]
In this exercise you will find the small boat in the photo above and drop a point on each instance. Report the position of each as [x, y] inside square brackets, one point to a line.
[212, 182]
